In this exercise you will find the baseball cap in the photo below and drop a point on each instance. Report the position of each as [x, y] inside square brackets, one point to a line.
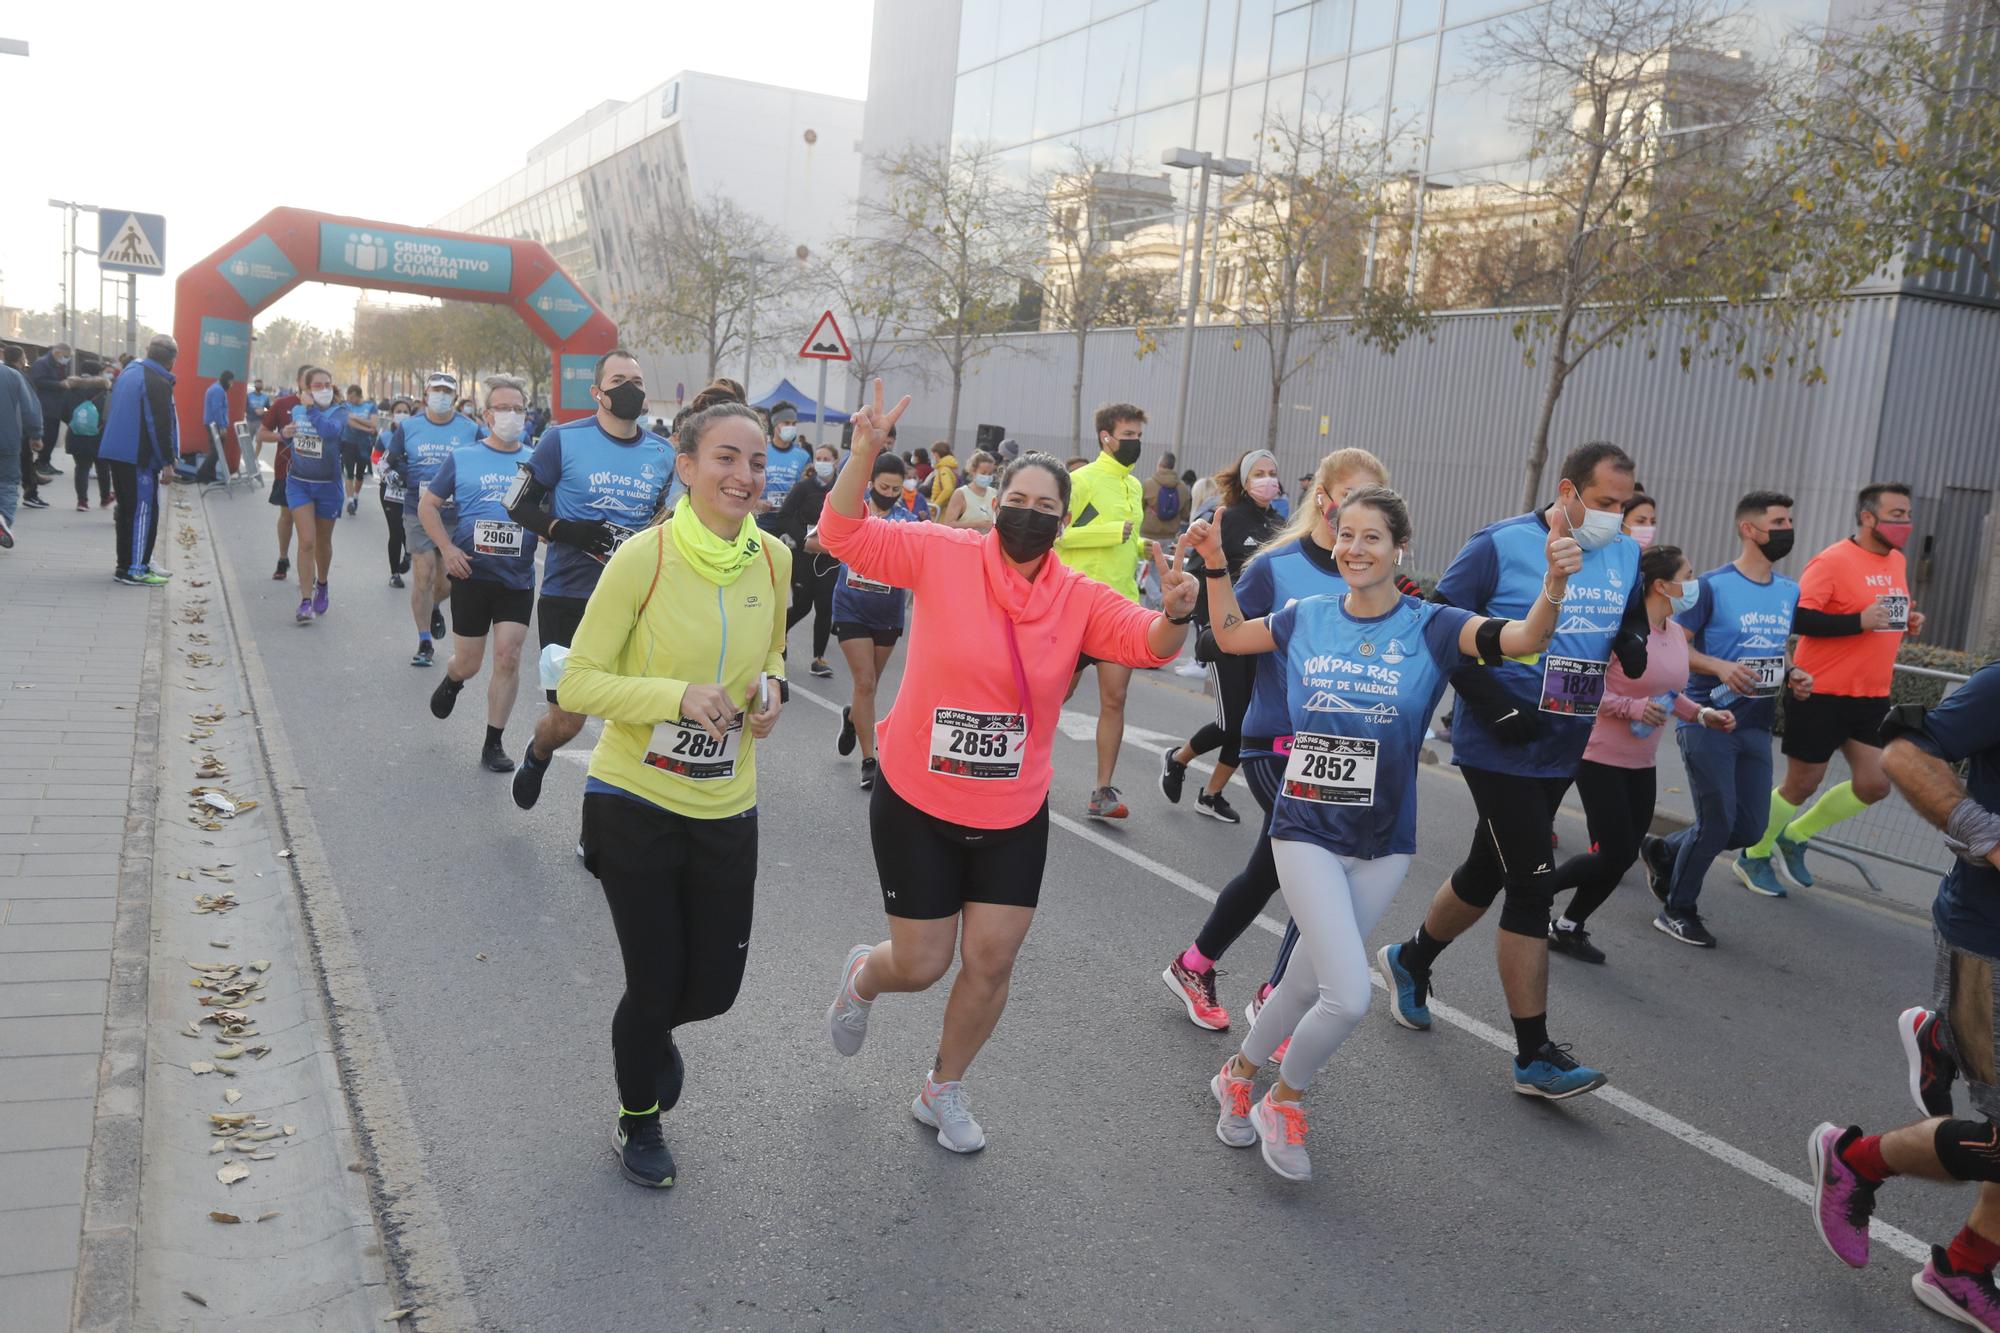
[442, 378]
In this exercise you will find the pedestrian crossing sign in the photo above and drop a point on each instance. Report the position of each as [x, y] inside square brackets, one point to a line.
[131, 242]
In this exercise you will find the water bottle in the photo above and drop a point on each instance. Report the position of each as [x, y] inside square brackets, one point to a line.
[1722, 696]
[1641, 727]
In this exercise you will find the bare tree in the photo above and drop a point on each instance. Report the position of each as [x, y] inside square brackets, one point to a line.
[946, 219]
[709, 267]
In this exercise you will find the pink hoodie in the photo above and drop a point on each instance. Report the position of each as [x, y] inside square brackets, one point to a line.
[959, 709]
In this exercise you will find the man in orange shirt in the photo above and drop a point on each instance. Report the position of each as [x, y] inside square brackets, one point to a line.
[1854, 609]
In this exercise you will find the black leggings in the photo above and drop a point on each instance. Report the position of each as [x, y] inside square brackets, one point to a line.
[81, 457]
[1513, 848]
[1619, 805]
[680, 892]
[812, 594]
[1234, 677]
[399, 554]
[1245, 896]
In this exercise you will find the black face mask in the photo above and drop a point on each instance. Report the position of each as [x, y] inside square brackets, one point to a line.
[626, 400]
[1026, 534]
[881, 501]
[1127, 451]
[1776, 546]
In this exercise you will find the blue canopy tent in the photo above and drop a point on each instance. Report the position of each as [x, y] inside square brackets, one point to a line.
[808, 409]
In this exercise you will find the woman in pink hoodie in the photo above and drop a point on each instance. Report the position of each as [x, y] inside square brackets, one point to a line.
[959, 817]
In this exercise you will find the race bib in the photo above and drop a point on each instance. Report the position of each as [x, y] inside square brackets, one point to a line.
[685, 750]
[1897, 604]
[392, 487]
[620, 534]
[986, 746]
[306, 445]
[856, 583]
[496, 537]
[1572, 685]
[1331, 770]
[1770, 676]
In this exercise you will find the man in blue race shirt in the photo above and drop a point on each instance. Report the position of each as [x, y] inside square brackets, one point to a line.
[588, 486]
[1736, 632]
[416, 450]
[312, 487]
[357, 442]
[1518, 741]
[784, 462]
[490, 560]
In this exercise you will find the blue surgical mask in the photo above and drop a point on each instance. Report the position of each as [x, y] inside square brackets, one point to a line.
[1685, 599]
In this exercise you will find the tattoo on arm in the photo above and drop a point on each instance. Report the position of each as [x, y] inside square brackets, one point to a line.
[1229, 621]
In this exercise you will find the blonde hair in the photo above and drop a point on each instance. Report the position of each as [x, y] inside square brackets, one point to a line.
[1333, 469]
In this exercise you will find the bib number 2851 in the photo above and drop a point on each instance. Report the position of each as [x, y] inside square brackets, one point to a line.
[684, 749]
[985, 746]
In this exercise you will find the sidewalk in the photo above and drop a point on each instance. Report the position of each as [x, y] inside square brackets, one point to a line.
[79, 689]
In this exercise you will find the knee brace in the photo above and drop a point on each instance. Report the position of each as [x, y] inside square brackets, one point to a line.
[1526, 910]
[1969, 1149]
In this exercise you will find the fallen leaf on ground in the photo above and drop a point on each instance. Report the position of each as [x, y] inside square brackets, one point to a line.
[229, 1053]
[196, 1299]
[231, 1172]
[291, 1129]
[217, 1146]
[260, 965]
[480, 956]
[202, 1067]
[267, 1217]
[230, 1118]
[286, 852]
[224, 1217]
[394, 1315]
[232, 1096]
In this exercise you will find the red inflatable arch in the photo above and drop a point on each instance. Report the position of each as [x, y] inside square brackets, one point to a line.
[215, 300]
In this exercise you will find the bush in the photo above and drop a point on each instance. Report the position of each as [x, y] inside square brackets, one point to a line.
[1908, 688]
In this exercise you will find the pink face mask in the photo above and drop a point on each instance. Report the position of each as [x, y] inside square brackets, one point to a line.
[1643, 533]
[1895, 534]
[1264, 489]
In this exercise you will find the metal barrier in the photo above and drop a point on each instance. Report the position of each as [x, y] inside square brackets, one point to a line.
[1889, 830]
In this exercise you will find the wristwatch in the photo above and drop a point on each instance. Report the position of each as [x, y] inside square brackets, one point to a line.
[784, 689]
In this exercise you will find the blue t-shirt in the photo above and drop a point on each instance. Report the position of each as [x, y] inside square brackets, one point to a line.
[592, 477]
[316, 443]
[1272, 580]
[1360, 694]
[1500, 573]
[782, 469]
[254, 405]
[418, 448]
[358, 412]
[1966, 727]
[1738, 619]
[476, 479]
[858, 601]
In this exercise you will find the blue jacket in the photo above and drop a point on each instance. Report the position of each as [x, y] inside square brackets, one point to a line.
[139, 425]
[20, 414]
[215, 408]
[48, 378]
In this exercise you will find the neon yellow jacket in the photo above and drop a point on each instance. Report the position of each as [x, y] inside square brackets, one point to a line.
[1104, 496]
[634, 675]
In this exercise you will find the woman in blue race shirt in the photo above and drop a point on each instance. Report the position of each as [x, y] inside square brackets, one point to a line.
[1363, 673]
[868, 620]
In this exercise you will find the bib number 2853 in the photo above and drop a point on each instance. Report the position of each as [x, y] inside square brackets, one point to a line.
[1331, 770]
[985, 746]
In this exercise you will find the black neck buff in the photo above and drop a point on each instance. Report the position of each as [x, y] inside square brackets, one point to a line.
[1026, 534]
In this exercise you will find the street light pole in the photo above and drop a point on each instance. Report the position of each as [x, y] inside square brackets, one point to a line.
[70, 210]
[1206, 164]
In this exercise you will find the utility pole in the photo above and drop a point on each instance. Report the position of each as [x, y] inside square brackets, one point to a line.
[70, 210]
[1207, 164]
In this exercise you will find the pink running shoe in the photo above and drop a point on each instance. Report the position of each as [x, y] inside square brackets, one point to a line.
[1969, 1298]
[1842, 1199]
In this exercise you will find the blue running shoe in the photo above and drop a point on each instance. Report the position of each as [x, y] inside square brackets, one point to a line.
[1759, 875]
[1791, 862]
[1408, 990]
[1554, 1076]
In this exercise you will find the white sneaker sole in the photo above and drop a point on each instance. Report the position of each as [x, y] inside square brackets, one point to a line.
[1228, 1122]
[834, 1030]
[1167, 975]
[1210, 811]
[1389, 977]
[924, 1117]
[1784, 868]
[1941, 1301]
[1815, 1156]
[1264, 1151]
[1743, 878]
[1906, 1032]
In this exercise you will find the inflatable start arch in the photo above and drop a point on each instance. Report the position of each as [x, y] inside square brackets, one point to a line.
[215, 300]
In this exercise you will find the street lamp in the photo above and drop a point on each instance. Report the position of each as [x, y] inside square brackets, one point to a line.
[1208, 164]
[70, 210]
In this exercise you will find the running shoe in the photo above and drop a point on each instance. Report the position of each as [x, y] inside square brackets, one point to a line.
[1105, 803]
[1234, 1095]
[494, 760]
[83, 506]
[1191, 669]
[1843, 1200]
[161, 570]
[1574, 941]
[845, 745]
[942, 1107]
[1173, 773]
[1408, 990]
[1685, 927]
[34, 502]
[426, 654]
[1196, 992]
[1932, 1072]
[1656, 857]
[445, 697]
[1554, 1076]
[847, 1017]
[643, 1155]
[46, 471]
[6, 534]
[1216, 806]
[126, 577]
[868, 775]
[305, 614]
[528, 780]
[437, 623]
[152, 578]
[1282, 1128]
[1791, 863]
[284, 568]
[319, 599]
[820, 668]
[1757, 875]
[1251, 1010]
[1970, 1298]
[396, 579]
[352, 505]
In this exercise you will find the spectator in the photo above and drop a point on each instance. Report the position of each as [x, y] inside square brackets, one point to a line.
[83, 413]
[51, 368]
[30, 478]
[920, 464]
[215, 418]
[944, 475]
[20, 423]
[1168, 503]
[141, 442]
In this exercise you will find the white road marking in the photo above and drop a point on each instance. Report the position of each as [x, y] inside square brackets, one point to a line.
[1895, 1238]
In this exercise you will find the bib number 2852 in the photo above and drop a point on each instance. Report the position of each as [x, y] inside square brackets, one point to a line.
[1331, 770]
[985, 746]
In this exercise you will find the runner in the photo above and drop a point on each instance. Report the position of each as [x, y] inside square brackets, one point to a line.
[1737, 631]
[1106, 504]
[1854, 609]
[813, 571]
[868, 619]
[490, 560]
[1618, 778]
[587, 486]
[390, 490]
[268, 432]
[1956, 1036]
[1297, 564]
[1248, 523]
[312, 487]
[1362, 674]
[789, 459]
[971, 505]
[1519, 751]
[356, 443]
[681, 653]
[417, 449]
[960, 818]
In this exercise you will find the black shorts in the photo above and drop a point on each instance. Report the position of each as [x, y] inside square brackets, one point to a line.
[354, 459]
[278, 489]
[477, 604]
[1820, 724]
[884, 638]
[556, 619]
[1513, 848]
[931, 868]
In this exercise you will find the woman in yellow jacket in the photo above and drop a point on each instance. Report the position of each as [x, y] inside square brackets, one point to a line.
[681, 653]
[944, 475]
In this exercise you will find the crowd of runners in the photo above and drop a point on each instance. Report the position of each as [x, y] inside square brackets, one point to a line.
[675, 559]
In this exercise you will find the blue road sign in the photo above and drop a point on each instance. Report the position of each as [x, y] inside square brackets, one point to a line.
[131, 242]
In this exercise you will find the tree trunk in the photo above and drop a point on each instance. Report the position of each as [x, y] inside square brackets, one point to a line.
[1076, 396]
[951, 418]
[1538, 451]
[1271, 422]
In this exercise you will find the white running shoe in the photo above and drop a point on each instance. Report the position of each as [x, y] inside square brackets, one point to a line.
[847, 1017]
[1282, 1127]
[942, 1107]
[1233, 1095]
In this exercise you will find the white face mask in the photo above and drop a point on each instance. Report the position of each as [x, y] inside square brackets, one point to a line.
[507, 425]
[440, 401]
[981, 480]
[823, 466]
[909, 483]
[1599, 528]
[399, 415]
[322, 397]
[788, 433]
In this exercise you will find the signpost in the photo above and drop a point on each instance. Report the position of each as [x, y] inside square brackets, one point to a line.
[131, 243]
[825, 343]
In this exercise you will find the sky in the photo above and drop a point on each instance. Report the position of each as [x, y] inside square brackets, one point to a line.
[196, 111]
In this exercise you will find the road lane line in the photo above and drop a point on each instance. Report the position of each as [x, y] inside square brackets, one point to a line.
[1902, 1242]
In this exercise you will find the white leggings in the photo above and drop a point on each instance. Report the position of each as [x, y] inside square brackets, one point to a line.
[1336, 901]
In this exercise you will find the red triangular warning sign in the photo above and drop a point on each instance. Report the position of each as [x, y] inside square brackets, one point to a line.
[826, 342]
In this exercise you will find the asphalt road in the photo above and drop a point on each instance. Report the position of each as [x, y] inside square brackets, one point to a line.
[809, 1197]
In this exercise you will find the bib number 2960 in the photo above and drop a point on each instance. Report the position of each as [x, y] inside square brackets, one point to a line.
[985, 746]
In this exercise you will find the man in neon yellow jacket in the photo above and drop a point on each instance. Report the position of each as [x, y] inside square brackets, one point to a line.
[1106, 505]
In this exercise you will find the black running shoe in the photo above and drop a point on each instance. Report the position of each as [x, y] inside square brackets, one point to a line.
[396, 578]
[868, 775]
[643, 1155]
[445, 695]
[1659, 866]
[1685, 927]
[1575, 942]
[1216, 806]
[1932, 1072]
[845, 744]
[528, 778]
[821, 669]
[437, 623]
[1172, 774]
[495, 760]
[426, 655]
[284, 568]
